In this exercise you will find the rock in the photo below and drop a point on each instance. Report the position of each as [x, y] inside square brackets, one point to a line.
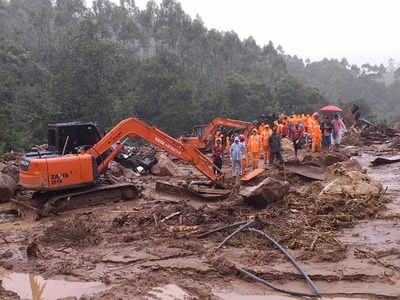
[351, 151]
[128, 173]
[341, 168]
[12, 171]
[267, 191]
[8, 187]
[323, 159]
[334, 157]
[115, 169]
[165, 167]
[353, 183]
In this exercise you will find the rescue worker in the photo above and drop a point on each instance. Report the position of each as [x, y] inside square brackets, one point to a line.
[274, 144]
[297, 138]
[235, 154]
[326, 129]
[316, 135]
[244, 154]
[254, 148]
[217, 152]
[265, 135]
[227, 142]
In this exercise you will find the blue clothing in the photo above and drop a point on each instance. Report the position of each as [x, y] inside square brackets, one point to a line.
[326, 140]
[235, 151]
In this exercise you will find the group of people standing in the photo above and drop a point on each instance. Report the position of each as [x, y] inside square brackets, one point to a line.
[302, 130]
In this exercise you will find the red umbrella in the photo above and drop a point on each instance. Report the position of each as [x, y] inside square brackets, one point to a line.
[331, 108]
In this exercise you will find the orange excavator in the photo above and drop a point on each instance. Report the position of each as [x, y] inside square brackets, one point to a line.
[204, 140]
[62, 176]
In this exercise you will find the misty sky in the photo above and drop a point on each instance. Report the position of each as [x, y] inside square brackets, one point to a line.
[360, 30]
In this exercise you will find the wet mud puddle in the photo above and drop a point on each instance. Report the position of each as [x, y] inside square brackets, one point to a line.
[29, 286]
[384, 233]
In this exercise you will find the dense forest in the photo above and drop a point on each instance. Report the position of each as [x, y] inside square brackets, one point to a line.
[61, 61]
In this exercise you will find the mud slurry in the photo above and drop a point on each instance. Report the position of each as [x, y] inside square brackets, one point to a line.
[148, 248]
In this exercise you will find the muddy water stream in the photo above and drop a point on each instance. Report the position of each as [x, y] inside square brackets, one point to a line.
[29, 286]
[379, 233]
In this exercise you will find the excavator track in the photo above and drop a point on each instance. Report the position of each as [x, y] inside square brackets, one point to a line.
[45, 204]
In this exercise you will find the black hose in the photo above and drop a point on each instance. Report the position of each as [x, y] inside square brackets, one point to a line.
[256, 278]
[309, 281]
[220, 228]
[234, 233]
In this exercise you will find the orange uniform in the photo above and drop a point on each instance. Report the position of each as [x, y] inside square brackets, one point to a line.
[228, 143]
[265, 135]
[254, 147]
[316, 136]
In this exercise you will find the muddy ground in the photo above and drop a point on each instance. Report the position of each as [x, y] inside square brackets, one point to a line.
[349, 246]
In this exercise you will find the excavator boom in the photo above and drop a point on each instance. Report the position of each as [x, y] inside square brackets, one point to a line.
[51, 171]
[204, 140]
[133, 127]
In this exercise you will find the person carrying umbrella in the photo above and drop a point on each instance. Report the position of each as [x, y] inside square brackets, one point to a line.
[338, 129]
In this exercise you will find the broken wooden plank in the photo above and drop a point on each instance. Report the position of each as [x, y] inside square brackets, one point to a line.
[204, 190]
[252, 174]
[311, 172]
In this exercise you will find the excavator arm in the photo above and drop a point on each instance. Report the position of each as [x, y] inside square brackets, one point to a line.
[224, 122]
[203, 141]
[132, 127]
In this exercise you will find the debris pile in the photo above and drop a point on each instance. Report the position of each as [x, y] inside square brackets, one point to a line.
[8, 175]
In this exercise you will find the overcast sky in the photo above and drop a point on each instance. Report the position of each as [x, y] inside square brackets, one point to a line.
[360, 30]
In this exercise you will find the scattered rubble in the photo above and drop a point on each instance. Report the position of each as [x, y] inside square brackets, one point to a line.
[353, 184]
[152, 241]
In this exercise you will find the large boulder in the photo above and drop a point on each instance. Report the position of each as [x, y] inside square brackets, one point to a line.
[341, 168]
[165, 167]
[115, 168]
[324, 159]
[267, 191]
[353, 184]
[351, 151]
[8, 187]
[12, 171]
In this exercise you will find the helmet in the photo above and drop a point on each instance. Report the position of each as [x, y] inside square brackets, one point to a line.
[315, 115]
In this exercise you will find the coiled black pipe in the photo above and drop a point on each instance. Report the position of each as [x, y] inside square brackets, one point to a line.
[235, 232]
[220, 228]
[256, 278]
[291, 259]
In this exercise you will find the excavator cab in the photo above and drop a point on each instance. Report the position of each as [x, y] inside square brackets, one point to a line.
[67, 138]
